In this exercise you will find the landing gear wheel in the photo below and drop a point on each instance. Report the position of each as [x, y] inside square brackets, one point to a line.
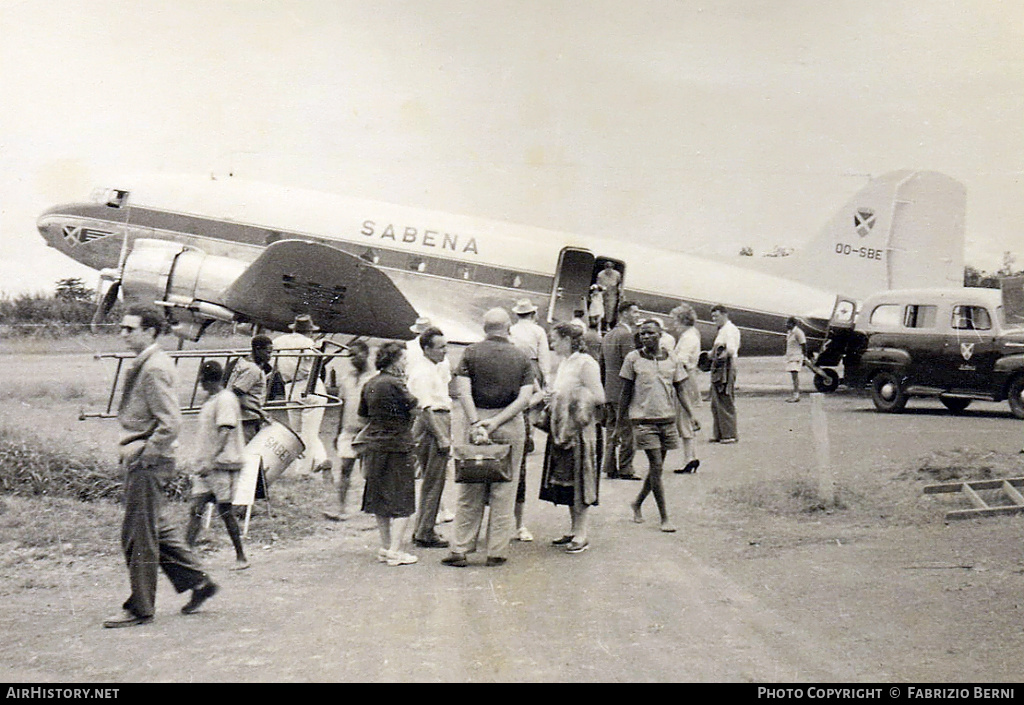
[828, 382]
[887, 393]
[1015, 395]
[955, 404]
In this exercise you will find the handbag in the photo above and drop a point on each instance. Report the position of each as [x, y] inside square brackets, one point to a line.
[540, 418]
[489, 462]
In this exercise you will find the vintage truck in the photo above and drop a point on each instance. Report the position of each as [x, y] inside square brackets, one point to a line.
[954, 344]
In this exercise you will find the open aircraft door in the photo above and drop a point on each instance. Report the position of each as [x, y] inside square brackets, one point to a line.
[573, 276]
[838, 340]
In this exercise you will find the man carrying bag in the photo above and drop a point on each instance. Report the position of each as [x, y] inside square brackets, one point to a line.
[494, 383]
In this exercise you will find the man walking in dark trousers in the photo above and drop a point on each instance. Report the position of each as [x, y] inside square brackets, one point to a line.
[150, 419]
[428, 382]
[618, 342]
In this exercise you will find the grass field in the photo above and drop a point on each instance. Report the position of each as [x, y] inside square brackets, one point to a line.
[59, 481]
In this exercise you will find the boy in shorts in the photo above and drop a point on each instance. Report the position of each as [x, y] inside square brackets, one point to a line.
[651, 377]
[220, 458]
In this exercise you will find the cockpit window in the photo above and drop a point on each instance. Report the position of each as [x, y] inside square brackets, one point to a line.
[112, 197]
[971, 318]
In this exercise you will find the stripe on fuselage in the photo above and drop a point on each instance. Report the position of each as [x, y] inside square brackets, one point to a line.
[765, 332]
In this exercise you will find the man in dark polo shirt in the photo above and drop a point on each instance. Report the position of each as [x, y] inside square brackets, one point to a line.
[494, 383]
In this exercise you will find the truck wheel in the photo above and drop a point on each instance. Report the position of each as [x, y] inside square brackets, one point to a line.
[955, 404]
[827, 383]
[1015, 395]
[887, 392]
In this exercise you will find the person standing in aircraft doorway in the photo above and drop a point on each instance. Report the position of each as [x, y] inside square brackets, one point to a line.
[295, 369]
[610, 279]
[595, 306]
[723, 376]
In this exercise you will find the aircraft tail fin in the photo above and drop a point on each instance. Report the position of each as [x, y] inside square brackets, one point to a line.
[905, 229]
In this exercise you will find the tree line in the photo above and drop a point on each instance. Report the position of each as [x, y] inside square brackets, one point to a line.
[71, 306]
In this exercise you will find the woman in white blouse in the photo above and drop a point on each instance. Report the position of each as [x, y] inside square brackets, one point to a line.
[570, 472]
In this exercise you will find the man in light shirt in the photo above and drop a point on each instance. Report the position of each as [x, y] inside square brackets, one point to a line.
[429, 377]
[529, 337]
[723, 376]
[219, 458]
[295, 368]
[609, 279]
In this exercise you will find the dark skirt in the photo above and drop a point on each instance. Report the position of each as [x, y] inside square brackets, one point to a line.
[390, 483]
[569, 470]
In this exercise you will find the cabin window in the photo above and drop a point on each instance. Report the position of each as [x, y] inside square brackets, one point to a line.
[464, 271]
[886, 315]
[971, 318]
[513, 280]
[418, 265]
[370, 255]
[919, 316]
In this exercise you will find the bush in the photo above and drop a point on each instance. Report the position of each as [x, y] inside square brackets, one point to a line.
[29, 468]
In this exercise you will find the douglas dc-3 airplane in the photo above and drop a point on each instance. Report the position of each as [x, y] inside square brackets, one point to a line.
[223, 249]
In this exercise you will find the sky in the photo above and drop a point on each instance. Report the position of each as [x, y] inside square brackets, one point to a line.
[700, 126]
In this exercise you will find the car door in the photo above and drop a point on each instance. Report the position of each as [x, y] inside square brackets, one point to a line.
[970, 349]
[923, 340]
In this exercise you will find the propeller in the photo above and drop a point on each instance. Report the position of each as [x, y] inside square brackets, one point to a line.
[117, 199]
[106, 301]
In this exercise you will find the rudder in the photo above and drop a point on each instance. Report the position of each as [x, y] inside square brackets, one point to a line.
[904, 229]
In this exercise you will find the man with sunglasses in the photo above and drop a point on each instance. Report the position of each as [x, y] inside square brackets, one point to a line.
[150, 419]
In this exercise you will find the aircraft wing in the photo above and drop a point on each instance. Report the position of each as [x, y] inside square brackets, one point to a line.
[343, 293]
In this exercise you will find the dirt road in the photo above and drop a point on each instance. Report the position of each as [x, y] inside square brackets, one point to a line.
[739, 594]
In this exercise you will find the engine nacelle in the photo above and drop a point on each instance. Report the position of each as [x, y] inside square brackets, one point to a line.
[185, 280]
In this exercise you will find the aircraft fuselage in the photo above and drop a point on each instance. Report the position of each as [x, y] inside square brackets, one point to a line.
[452, 266]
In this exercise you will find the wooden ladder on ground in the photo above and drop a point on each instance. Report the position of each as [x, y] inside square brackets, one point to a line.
[1010, 486]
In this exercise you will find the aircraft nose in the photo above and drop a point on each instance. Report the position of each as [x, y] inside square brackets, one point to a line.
[49, 225]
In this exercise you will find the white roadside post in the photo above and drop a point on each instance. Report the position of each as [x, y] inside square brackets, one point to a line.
[819, 428]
